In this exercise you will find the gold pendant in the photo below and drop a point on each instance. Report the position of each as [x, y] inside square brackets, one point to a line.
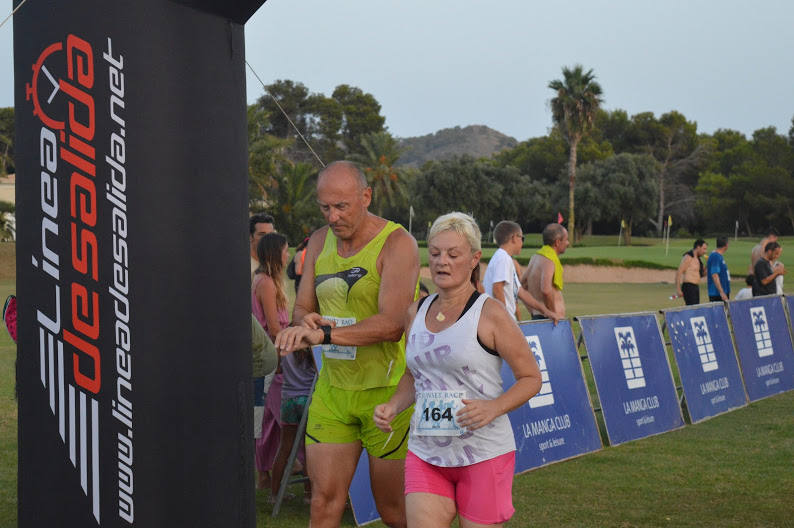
[440, 317]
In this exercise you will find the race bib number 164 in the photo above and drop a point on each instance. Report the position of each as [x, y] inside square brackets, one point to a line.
[435, 412]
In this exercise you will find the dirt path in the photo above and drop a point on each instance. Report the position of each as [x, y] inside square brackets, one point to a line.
[584, 273]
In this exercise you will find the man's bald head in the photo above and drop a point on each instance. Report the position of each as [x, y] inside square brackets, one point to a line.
[341, 170]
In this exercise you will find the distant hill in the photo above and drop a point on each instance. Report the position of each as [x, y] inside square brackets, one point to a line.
[475, 140]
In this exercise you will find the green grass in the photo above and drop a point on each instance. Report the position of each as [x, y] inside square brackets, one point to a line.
[644, 253]
[732, 470]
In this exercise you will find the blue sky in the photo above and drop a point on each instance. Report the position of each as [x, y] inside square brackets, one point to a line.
[440, 63]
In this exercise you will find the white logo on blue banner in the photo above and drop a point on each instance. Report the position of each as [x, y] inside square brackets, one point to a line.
[545, 396]
[630, 347]
[700, 329]
[763, 343]
[553, 427]
[763, 340]
[703, 349]
[629, 357]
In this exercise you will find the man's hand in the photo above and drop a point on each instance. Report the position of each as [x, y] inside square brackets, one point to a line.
[314, 320]
[383, 416]
[296, 337]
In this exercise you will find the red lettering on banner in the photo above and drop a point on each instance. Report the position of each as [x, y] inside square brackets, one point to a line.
[84, 130]
[89, 383]
[78, 162]
[84, 62]
[80, 300]
[86, 241]
[87, 198]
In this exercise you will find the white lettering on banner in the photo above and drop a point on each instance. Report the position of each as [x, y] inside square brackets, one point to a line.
[629, 357]
[645, 420]
[544, 396]
[763, 340]
[700, 331]
[768, 370]
[116, 195]
[714, 385]
[772, 381]
[641, 404]
[718, 399]
[546, 425]
[551, 442]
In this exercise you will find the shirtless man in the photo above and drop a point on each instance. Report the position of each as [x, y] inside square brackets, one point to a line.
[359, 277]
[543, 276]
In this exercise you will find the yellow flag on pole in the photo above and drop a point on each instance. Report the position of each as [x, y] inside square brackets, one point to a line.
[669, 220]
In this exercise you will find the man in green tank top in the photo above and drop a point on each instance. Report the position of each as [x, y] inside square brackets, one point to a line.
[359, 277]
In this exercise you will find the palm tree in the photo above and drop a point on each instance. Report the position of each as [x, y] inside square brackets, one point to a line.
[573, 110]
[381, 152]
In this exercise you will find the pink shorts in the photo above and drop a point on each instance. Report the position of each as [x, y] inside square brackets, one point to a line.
[483, 492]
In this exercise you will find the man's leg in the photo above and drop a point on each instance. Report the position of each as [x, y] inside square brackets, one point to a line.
[388, 488]
[331, 468]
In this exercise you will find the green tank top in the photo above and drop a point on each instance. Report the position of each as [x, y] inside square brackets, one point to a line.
[347, 290]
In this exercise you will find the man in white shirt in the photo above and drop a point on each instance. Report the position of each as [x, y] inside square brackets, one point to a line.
[501, 280]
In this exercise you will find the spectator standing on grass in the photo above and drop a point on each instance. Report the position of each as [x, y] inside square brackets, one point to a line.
[461, 456]
[501, 278]
[719, 278]
[765, 273]
[759, 249]
[298, 371]
[690, 271]
[269, 305]
[746, 292]
[258, 226]
[295, 266]
[543, 278]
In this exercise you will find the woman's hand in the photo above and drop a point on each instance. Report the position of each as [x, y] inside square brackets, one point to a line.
[383, 416]
[478, 413]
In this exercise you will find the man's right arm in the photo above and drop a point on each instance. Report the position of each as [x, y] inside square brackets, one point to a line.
[765, 273]
[679, 275]
[547, 283]
[498, 289]
[306, 298]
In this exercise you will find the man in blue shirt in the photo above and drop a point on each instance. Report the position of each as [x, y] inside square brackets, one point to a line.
[719, 278]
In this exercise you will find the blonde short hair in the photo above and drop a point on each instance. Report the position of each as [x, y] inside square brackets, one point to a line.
[460, 223]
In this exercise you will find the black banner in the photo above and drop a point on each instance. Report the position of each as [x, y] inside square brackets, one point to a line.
[135, 403]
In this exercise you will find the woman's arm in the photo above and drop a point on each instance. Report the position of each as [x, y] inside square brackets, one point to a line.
[498, 331]
[266, 295]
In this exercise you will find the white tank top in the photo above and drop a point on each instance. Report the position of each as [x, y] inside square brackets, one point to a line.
[448, 366]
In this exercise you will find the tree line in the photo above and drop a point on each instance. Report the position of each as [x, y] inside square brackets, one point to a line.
[599, 168]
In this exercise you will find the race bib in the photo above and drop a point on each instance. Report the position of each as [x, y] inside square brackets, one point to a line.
[434, 413]
[338, 351]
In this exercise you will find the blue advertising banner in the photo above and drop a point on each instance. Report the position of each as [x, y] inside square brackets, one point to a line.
[763, 342]
[360, 492]
[632, 375]
[558, 423]
[703, 350]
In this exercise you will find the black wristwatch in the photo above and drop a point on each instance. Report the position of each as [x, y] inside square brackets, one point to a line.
[326, 334]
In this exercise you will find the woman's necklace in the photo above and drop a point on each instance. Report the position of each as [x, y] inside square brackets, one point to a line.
[440, 316]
